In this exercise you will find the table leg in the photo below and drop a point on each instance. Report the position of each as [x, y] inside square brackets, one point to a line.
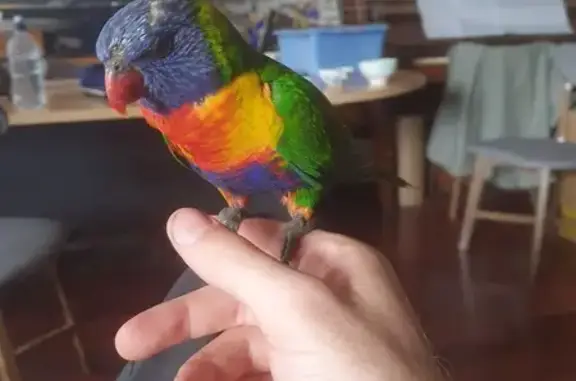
[384, 139]
[410, 133]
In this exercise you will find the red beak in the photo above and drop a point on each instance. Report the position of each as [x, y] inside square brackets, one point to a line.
[123, 88]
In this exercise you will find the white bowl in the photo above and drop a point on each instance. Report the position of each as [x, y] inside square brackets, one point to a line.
[378, 71]
[335, 77]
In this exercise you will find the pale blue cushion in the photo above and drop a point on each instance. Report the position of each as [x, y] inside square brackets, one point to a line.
[530, 153]
[26, 242]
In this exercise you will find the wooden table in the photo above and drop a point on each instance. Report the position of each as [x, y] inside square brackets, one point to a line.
[409, 134]
[68, 104]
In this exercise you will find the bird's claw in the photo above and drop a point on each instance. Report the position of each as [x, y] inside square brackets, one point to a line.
[293, 230]
[231, 218]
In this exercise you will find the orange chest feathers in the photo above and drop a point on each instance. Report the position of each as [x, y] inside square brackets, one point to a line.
[236, 125]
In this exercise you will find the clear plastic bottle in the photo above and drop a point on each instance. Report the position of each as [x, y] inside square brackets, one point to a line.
[27, 68]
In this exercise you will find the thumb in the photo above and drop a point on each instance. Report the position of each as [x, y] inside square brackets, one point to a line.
[229, 262]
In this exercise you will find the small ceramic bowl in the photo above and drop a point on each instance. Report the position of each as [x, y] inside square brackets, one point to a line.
[335, 77]
[378, 71]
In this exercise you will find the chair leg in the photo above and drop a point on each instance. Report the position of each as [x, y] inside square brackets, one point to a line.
[455, 198]
[554, 204]
[8, 368]
[481, 168]
[69, 319]
[540, 220]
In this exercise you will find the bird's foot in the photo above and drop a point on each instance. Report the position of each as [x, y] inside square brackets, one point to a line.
[293, 230]
[231, 218]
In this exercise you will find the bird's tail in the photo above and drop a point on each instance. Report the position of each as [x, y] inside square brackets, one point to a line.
[358, 166]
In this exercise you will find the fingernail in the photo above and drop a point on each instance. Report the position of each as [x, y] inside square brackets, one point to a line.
[187, 225]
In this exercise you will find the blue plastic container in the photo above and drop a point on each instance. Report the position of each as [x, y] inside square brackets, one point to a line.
[308, 50]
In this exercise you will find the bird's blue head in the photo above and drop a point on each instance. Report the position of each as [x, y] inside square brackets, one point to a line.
[155, 52]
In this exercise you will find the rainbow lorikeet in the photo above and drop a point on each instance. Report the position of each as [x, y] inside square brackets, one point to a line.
[244, 122]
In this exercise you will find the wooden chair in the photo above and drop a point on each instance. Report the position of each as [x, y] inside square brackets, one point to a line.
[541, 155]
[26, 243]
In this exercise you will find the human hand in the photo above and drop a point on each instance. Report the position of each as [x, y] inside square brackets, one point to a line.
[339, 314]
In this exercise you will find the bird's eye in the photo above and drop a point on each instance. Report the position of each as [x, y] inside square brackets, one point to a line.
[161, 48]
[164, 45]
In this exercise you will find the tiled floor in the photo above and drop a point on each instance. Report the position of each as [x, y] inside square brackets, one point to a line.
[514, 331]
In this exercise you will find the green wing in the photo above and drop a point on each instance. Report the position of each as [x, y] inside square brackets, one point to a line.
[310, 126]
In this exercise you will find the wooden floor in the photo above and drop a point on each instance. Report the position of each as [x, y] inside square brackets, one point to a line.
[490, 325]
